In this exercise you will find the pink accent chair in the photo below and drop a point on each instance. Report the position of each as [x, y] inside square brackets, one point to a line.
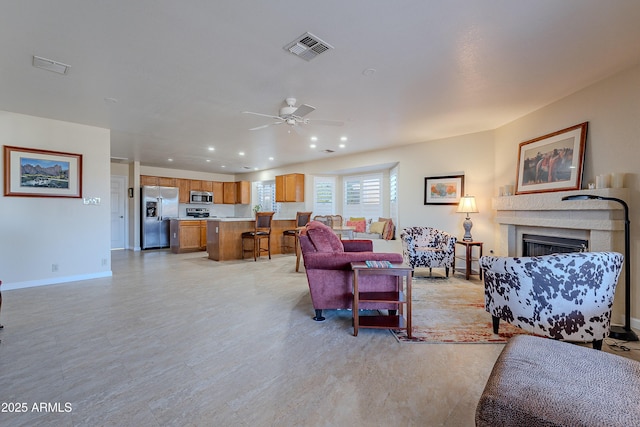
[327, 262]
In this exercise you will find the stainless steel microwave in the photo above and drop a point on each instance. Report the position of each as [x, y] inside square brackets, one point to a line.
[202, 197]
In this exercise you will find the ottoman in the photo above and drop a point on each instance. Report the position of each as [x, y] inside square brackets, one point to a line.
[542, 382]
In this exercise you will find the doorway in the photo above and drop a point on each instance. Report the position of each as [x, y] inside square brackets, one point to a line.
[118, 212]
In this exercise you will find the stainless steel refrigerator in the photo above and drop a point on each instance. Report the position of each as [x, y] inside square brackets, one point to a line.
[159, 205]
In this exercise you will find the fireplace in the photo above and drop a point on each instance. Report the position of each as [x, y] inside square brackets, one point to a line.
[537, 245]
[598, 222]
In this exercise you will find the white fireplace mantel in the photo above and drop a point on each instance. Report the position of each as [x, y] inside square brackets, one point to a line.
[600, 222]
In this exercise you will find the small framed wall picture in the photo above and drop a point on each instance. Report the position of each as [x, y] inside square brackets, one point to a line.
[443, 190]
[30, 172]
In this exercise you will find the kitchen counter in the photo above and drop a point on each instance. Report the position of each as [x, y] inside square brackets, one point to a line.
[224, 241]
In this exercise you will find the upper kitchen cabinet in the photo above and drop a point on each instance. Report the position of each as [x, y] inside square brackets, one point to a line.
[237, 192]
[184, 187]
[148, 180]
[157, 180]
[243, 192]
[166, 182]
[290, 187]
[198, 185]
[218, 192]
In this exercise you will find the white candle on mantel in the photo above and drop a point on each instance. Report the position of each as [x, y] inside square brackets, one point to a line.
[617, 180]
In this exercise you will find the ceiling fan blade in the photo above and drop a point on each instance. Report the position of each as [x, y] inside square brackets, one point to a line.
[326, 122]
[261, 127]
[266, 126]
[263, 115]
[303, 110]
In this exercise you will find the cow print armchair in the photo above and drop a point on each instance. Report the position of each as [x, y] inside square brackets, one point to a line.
[564, 296]
[428, 247]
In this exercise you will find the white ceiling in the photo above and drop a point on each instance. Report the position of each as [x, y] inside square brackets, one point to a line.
[181, 72]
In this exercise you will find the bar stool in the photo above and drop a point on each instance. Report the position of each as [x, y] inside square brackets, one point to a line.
[261, 231]
[302, 218]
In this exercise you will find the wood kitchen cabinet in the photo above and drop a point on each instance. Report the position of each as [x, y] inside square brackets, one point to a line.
[184, 186]
[237, 192]
[187, 235]
[157, 180]
[148, 180]
[290, 187]
[218, 192]
[166, 182]
[229, 190]
[199, 185]
[243, 192]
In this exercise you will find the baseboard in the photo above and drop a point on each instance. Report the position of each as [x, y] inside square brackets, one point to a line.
[54, 281]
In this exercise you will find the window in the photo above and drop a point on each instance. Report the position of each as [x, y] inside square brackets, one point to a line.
[363, 196]
[393, 195]
[324, 195]
[266, 196]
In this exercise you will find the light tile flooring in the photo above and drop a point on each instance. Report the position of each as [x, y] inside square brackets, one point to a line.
[179, 340]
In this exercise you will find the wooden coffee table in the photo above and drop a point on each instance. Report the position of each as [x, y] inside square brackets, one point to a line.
[401, 297]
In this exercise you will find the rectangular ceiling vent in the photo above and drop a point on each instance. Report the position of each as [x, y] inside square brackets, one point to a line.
[50, 65]
[328, 151]
[308, 46]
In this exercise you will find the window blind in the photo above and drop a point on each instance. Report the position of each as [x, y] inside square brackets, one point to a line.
[324, 195]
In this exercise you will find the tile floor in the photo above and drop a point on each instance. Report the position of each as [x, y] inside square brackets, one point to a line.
[179, 340]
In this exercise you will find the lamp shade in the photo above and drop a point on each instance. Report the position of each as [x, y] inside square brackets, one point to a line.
[467, 205]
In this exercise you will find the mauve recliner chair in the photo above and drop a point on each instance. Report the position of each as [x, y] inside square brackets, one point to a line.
[327, 262]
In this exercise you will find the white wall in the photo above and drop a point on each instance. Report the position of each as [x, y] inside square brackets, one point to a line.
[37, 231]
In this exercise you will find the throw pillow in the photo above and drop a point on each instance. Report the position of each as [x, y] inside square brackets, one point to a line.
[389, 228]
[359, 218]
[377, 227]
[359, 225]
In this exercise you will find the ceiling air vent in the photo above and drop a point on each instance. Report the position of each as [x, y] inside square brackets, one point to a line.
[50, 65]
[328, 151]
[307, 46]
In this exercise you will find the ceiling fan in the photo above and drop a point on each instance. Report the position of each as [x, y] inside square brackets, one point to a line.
[293, 116]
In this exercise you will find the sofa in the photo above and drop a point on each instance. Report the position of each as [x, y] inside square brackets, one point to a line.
[566, 296]
[327, 263]
[368, 229]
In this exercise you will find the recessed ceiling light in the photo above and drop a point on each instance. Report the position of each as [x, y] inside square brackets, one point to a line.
[241, 153]
[208, 160]
[341, 145]
[271, 158]
[169, 160]
[211, 149]
[312, 146]
[50, 65]
[223, 166]
[314, 138]
[343, 138]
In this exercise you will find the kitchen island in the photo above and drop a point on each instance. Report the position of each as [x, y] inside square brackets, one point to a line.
[224, 241]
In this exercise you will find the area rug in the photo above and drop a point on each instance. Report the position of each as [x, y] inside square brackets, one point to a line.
[451, 310]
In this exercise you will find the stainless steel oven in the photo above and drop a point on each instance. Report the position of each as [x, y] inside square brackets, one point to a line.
[203, 197]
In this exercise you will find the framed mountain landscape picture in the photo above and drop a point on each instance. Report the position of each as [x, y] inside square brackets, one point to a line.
[30, 172]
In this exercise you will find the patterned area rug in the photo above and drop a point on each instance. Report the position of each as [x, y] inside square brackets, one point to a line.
[452, 311]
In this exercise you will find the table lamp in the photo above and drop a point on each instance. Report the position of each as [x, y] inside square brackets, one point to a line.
[467, 205]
